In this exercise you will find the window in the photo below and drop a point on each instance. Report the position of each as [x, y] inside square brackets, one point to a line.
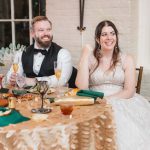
[15, 19]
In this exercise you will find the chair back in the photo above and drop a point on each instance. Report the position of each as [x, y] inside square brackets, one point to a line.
[72, 79]
[139, 79]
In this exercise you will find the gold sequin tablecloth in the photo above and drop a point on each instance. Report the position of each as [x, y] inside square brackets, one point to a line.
[90, 128]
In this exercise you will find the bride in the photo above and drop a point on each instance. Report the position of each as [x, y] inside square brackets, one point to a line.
[105, 68]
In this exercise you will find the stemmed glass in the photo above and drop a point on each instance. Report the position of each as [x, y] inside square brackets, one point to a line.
[57, 69]
[42, 87]
[15, 68]
[20, 80]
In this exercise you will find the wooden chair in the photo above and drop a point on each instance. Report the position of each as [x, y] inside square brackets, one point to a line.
[139, 79]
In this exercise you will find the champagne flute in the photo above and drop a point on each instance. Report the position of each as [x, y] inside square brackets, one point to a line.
[20, 80]
[15, 68]
[57, 69]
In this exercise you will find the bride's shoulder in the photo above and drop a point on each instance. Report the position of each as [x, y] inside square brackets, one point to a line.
[126, 56]
[127, 59]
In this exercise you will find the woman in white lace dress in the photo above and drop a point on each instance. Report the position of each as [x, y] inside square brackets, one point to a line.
[105, 68]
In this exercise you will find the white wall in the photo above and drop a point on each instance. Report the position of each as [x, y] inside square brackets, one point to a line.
[144, 34]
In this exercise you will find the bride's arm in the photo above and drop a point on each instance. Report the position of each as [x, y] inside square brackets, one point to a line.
[129, 83]
[82, 79]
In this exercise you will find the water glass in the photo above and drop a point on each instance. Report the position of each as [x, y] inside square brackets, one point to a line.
[63, 89]
[20, 80]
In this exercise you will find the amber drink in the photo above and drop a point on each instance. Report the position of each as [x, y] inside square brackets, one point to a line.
[66, 108]
[15, 67]
[58, 73]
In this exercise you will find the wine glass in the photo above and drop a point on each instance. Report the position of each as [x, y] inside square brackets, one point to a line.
[64, 89]
[20, 80]
[42, 87]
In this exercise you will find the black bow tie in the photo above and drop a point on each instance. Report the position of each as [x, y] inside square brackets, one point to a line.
[42, 51]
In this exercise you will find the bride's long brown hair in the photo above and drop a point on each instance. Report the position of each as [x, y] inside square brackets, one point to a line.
[97, 50]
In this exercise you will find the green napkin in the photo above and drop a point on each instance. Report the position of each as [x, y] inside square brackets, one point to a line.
[13, 118]
[19, 92]
[4, 90]
[90, 93]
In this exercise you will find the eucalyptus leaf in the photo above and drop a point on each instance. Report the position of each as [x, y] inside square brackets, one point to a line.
[11, 46]
[18, 46]
[11, 49]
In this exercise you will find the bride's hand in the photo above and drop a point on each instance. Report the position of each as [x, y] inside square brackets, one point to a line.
[86, 51]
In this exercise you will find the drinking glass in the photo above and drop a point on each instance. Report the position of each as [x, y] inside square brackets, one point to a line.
[42, 88]
[20, 80]
[15, 68]
[66, 109]
[64, 89]
[57, 69]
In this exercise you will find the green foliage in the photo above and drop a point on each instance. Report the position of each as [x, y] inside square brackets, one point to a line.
[11, 49]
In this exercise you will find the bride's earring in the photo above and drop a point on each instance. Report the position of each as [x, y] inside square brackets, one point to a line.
[116, 49]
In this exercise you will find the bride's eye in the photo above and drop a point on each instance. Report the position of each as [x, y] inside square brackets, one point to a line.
[104, 34]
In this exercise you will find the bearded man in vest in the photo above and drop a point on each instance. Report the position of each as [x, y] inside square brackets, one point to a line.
[37, 61]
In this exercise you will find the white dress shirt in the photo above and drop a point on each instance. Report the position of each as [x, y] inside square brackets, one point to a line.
[64, 57]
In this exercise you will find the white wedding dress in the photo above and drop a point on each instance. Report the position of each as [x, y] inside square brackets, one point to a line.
[132, 116]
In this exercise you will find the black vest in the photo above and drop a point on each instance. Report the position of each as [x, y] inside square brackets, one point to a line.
[47, 67]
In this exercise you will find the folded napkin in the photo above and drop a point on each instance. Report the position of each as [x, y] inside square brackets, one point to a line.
[13, 118]
[4, 90]
[19, 92]
[90, 93]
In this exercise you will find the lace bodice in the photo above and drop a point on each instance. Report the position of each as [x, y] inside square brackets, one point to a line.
[107, 82]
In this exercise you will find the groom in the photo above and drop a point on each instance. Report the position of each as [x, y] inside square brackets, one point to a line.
[37, 61]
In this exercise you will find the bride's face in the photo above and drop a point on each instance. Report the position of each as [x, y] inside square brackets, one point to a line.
[108, 38]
